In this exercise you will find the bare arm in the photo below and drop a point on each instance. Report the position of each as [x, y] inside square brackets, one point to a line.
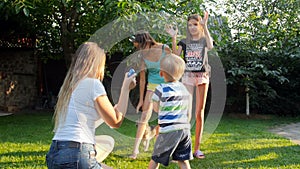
[208, 38]
[142, 86]
[113, 116]
[176, 49]
[190, 107]
[155, 106]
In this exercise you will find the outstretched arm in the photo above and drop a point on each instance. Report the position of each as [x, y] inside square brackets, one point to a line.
[113, 116]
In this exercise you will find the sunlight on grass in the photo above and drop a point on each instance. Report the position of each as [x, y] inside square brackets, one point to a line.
[22, 155]
[247, 144]
[236, 143]
[251, 144]
[260, 158]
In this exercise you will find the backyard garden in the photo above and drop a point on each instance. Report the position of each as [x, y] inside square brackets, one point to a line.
[254, 85]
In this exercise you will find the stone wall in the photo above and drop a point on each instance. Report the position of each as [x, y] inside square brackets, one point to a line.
[18, 78]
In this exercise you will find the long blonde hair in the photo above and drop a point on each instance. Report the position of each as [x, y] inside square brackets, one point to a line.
[88, 61]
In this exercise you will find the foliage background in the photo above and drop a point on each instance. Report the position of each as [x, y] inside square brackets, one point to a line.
[257, 41]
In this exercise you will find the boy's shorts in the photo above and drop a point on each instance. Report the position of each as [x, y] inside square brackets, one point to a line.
[195, 78]
[176, 144]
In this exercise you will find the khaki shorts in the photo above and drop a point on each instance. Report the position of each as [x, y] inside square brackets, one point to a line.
[195, 78]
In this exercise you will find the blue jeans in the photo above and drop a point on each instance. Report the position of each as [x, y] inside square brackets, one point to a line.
[71, 155]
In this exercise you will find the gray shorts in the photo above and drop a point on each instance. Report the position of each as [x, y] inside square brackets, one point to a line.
[176, 144]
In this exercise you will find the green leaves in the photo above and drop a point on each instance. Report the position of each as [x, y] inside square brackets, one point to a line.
[262, 50]
[26, 11]
[258, 40]
[23, 5]
[17, 8]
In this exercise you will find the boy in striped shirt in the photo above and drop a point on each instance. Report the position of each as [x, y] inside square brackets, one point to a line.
[172, 102]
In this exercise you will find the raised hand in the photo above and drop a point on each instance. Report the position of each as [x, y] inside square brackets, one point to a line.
[204, 20]
[170, 30]
[129, 81]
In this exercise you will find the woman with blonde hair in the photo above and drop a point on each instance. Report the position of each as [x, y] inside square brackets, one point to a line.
[195, 47]
[82, 105]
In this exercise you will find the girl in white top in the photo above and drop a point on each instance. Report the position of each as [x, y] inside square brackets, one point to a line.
[82, 103]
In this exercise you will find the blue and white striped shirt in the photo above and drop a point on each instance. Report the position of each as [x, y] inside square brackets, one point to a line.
[174, 104]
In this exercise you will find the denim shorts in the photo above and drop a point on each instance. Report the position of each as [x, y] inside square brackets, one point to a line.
[71, 155]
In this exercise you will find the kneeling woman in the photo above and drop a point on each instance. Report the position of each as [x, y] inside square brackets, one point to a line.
[82, 102]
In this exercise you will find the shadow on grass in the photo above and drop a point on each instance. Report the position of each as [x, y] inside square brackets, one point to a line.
[275, 157]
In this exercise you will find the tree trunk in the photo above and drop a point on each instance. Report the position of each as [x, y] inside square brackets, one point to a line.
[67, 25]
[247, 101]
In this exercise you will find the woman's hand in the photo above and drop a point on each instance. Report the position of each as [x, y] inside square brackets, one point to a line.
[204, 20]
[170, 30]
[129, 82]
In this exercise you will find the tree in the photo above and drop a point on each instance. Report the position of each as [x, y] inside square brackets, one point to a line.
[265, 36]
[62, 25]
[253, 38]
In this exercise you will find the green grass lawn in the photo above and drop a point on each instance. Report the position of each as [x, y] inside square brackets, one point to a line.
[236, 143]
